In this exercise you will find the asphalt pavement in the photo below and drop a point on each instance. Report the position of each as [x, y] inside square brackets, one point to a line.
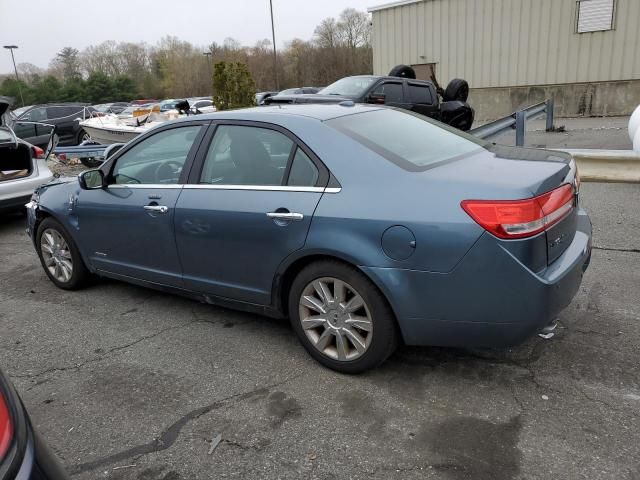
[129, 383]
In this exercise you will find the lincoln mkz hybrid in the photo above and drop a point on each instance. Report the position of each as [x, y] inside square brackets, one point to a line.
[367, 226]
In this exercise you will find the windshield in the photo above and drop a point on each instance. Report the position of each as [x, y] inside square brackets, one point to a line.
[349, 87]
[19, 111]
[411, 141]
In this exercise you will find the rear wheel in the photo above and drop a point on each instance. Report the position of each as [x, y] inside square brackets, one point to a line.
[457, 89]
[91, 162]
[60, 257]
[83, 137]
[341, 318]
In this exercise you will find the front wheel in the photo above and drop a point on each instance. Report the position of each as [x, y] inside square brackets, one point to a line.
[60, 257]
[341, 318]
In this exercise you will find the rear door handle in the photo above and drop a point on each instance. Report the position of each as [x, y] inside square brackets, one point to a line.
[156, 208]
[289, 216]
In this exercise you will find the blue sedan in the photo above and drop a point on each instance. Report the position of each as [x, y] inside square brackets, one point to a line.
[366, 226]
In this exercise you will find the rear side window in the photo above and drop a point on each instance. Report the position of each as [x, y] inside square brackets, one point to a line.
[245, 155]
[303, 172]
[411, 141]
[420, 94]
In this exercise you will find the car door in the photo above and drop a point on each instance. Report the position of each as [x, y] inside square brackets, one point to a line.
[67, 120]
[248, 205]
[422, 99]
[127, 228]
[26, 127]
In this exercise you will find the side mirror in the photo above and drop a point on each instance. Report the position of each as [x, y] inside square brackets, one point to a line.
[91, 180]
[379, 98]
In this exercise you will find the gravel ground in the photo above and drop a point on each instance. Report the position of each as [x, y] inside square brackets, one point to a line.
[128, 383]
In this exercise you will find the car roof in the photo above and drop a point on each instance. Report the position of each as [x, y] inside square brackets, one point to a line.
[320, 112]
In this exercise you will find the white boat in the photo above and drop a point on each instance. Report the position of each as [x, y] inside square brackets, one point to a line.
[110, 129]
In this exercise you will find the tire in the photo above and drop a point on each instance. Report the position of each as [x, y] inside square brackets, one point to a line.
[79, 276]
[82, 137]
[372, 325]
[91, 162]
[457, 89]
[404, 71]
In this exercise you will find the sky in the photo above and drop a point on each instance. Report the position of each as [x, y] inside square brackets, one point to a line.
[43, 27]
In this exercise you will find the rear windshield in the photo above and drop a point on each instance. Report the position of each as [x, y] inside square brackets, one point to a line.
[409, 140]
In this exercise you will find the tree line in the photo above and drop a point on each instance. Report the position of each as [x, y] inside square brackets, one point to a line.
[174, 68]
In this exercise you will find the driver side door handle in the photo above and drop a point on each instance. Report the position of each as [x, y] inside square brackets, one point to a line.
[156, 208]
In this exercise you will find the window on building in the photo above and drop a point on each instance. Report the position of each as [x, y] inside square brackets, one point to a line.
[595, 15]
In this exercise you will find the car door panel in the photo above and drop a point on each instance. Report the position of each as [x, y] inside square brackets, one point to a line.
[232, 232]
[127, 228]
[125, 238]
[228, 245]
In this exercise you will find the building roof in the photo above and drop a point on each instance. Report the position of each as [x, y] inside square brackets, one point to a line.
[397, 3]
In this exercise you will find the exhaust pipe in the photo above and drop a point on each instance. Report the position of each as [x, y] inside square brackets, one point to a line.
[548, 331]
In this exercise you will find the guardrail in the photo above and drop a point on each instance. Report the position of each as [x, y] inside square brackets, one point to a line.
[517, 120]
[82, 151]
[607, 165]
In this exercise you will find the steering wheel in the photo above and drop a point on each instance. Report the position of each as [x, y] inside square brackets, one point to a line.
[167, 170]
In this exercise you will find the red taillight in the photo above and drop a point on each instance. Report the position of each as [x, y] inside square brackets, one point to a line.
[38, 152]
[521, 218]
[6, 427]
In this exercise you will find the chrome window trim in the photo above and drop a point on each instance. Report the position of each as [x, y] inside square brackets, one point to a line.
[146, 185]
[258, 188]
[268, 188]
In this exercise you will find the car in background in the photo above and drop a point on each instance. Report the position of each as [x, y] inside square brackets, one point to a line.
[143, 101]
[365, 225]
[299, 91]
[262, 96]
[65, 116]
[23, 166]
[23, 453]
[115, 107]
[201, 105]
[420, 96]
[18, 111]
[170, 104]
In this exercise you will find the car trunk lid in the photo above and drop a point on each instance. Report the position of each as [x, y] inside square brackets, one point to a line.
[502, 177]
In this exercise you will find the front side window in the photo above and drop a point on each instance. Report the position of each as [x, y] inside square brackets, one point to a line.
[159, 159]
[391, 91]
[243, 155]
[411, 141]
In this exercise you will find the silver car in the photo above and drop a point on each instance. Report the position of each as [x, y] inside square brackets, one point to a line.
[23, 166]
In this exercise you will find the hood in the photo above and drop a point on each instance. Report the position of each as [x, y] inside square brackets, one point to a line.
[307, 98]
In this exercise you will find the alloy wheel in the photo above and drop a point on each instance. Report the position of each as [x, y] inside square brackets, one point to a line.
[56, 255]
[335, 318]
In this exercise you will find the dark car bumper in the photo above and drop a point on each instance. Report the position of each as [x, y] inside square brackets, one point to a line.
[28, 458]
[13, 204]
[490, 299]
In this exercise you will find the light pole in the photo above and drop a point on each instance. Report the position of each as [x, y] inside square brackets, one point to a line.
[15, 69]
[275, 56]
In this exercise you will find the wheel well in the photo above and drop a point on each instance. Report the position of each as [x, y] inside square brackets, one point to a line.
[284, 284]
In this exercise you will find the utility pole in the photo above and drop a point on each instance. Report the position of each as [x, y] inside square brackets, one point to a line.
[15, 69]
[275, 55]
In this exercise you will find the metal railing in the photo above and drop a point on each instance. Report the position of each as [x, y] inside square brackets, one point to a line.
[82, 151]
[517, 120]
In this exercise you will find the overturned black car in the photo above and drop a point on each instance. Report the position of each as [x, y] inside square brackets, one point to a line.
[399, 89]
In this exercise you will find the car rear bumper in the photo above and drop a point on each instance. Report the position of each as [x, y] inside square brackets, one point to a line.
[490, 299]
